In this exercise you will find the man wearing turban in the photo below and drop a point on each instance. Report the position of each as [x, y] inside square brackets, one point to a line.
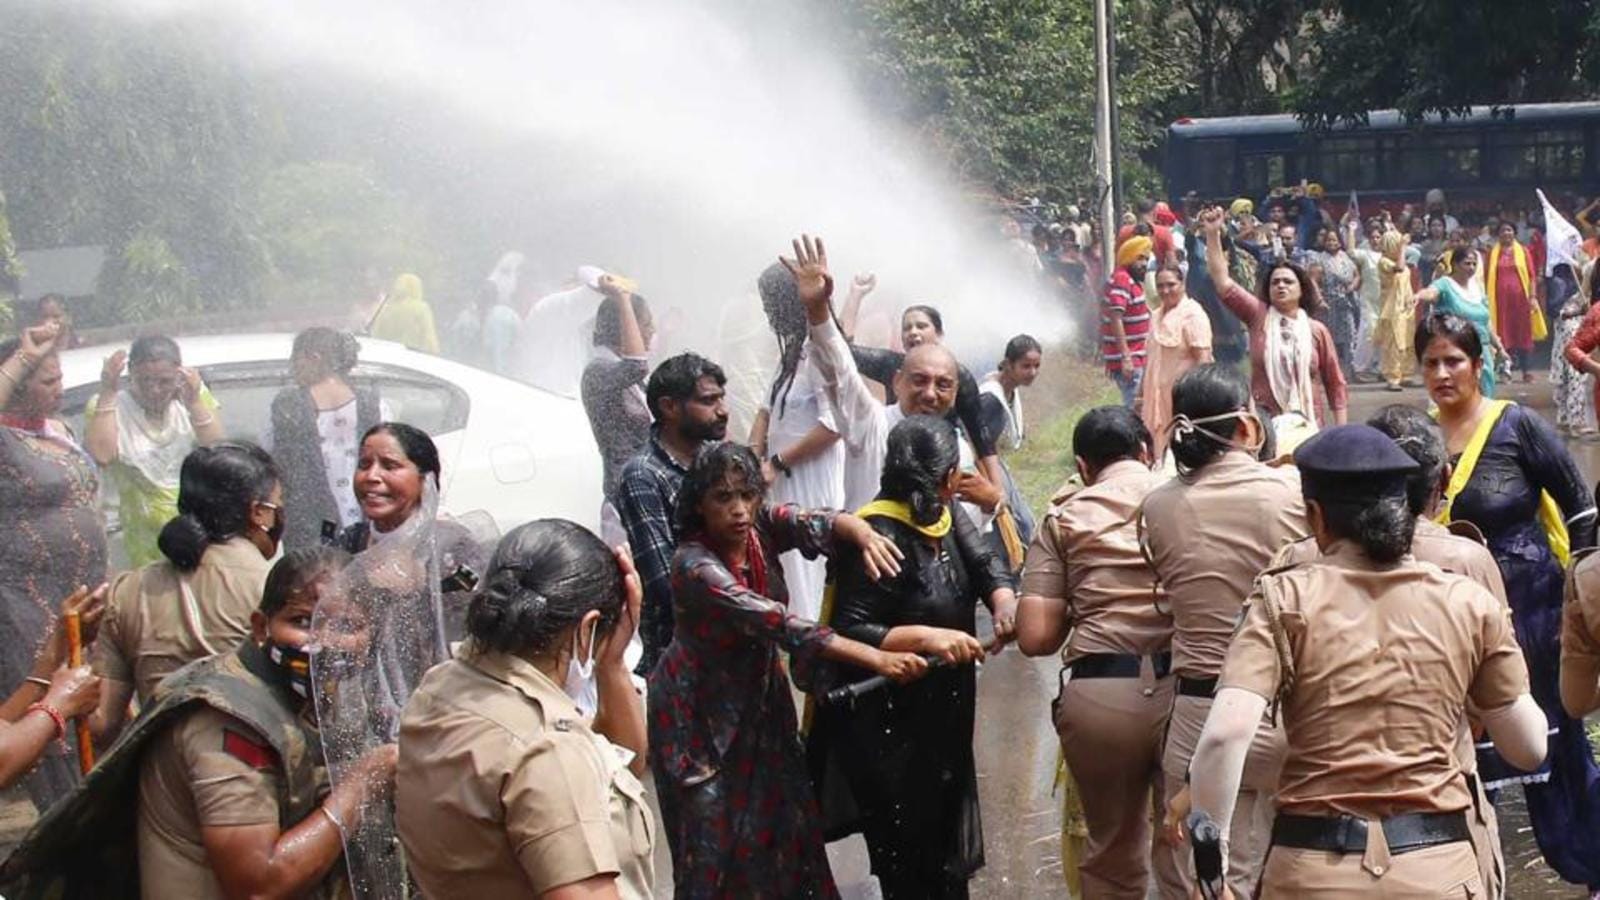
[1124, 317]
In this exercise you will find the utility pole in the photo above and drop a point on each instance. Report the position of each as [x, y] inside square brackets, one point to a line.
[1106, 169]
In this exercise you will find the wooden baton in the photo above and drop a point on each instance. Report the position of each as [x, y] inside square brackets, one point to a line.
[75, 659]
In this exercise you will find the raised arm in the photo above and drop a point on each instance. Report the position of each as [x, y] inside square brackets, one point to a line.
[860, 287]
[858, 411]
[100, 437]
[1216, 257]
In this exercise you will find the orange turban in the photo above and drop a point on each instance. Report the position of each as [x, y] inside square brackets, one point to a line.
[1132, 249]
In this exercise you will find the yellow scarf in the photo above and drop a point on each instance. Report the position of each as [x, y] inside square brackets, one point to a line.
[1519, 258]
[1555, 528]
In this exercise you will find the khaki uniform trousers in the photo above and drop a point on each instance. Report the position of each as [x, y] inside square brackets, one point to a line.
[1250, 832]
[1433, 873]
[1111, 736]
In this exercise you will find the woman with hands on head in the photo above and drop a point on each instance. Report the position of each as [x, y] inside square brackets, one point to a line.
[510, 725]
[142, 435]
[904, 754]
[56, 541]
[740, 815]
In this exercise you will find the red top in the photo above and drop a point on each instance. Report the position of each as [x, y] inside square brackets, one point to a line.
[1124, 295]
[1583, 344]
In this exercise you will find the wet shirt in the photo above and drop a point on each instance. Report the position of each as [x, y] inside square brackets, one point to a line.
[1385, 659]
[150, 628]
[208, 770]
[503, 791]
[1208, 539]
[1087, 554]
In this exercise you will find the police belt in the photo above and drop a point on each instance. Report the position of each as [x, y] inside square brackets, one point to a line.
[1119, 665]
[1197, 687]
[1348, 834]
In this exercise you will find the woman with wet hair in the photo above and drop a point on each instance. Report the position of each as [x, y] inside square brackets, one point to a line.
[197, 602]
[316, 434]
[903, 755]
[1208, 533]
[795, 434]
[1515, 480]
[739, 812]
[507, 784]
[1294, 365]
[140, 436]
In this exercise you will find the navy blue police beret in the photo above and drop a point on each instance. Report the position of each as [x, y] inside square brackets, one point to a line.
[1353, 450]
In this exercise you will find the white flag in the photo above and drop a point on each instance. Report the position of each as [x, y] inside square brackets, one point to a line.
[1563, 243]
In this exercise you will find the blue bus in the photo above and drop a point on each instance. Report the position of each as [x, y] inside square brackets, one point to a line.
[1482, 156]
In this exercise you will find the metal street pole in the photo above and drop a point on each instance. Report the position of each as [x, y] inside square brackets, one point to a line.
[1105, 141]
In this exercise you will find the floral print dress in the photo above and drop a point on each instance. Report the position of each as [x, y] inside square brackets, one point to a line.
[737, 804]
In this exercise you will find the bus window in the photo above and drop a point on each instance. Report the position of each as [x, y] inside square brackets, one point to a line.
[1437, 159]
[1549, 155]
[1213, 168]
[1262, 173]
[1348, 163]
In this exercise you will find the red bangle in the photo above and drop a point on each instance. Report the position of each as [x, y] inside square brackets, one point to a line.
[55, 716]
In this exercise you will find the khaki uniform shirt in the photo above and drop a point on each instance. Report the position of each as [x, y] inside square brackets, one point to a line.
[1385, 658]
[208, 769]
[1432, 543]
[1087, 554]
[148, 633]
[504, 792]
[1208, 539]
[1580, 626]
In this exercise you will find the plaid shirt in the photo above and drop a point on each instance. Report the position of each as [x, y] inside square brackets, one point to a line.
[647, 496]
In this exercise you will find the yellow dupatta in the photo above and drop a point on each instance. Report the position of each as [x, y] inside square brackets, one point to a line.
[1519, 258]
[1555, 527]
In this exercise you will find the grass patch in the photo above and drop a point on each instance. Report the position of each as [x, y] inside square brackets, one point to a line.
[1066, 389]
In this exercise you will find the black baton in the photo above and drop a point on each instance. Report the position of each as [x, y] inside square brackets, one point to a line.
[849, 692]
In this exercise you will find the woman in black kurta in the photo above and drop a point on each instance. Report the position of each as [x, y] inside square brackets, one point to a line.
[905, 752]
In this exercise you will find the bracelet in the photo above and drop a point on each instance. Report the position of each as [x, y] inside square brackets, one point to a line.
[778, 463]
[201, 423]
[55, 716]
[41, 682]
[344, 834]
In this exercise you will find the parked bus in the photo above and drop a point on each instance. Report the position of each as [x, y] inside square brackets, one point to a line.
[1478, 159]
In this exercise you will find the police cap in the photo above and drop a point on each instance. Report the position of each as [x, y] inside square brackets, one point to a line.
[1347, 450]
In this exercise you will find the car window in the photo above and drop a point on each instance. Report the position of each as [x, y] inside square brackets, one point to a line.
[435, 406]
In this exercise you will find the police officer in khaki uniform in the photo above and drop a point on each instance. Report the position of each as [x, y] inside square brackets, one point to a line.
[1580, 639]
[505, 790]
[231, 796]
[1371, 657]
[1208, 534]
[1419, 436]
[1087, 586]
[197, 602]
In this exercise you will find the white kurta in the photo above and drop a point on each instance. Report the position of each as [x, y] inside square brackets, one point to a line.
[817, 483]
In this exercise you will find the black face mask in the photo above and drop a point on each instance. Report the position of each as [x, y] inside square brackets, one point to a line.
[279, 526]
[295, 665]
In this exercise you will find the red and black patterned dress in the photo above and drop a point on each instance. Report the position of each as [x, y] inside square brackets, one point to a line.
[736, 801]
[55, 541]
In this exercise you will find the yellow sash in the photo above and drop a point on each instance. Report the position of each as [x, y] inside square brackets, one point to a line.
[1555, 527]
[1519, 257]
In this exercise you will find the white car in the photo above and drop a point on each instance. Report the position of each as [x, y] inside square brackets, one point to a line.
[506, 448]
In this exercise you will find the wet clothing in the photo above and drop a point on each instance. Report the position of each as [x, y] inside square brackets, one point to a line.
[1116, 683]
[503, 791]
[901, 760]
[739, 812]
[647, 496]
[55, 541]
[222, 743]
[816, 483]
[317, 451]
[153, 627]
[1384, 659]
[1523, 457]
[612, 388]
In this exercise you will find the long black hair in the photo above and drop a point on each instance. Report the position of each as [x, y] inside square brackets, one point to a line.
[1202, 392]
[780, 298]
[544, 576]
[418, 447]
[921, 452]
[711, 465]
[217, 486]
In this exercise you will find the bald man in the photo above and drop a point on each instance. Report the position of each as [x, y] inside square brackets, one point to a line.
[926, 384]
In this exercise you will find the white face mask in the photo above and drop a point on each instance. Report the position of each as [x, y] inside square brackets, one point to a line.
[581, 684]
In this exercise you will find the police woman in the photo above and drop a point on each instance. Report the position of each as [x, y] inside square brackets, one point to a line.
[505, 788]
[1370, 657]
[232, 796]
[1209, 533]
